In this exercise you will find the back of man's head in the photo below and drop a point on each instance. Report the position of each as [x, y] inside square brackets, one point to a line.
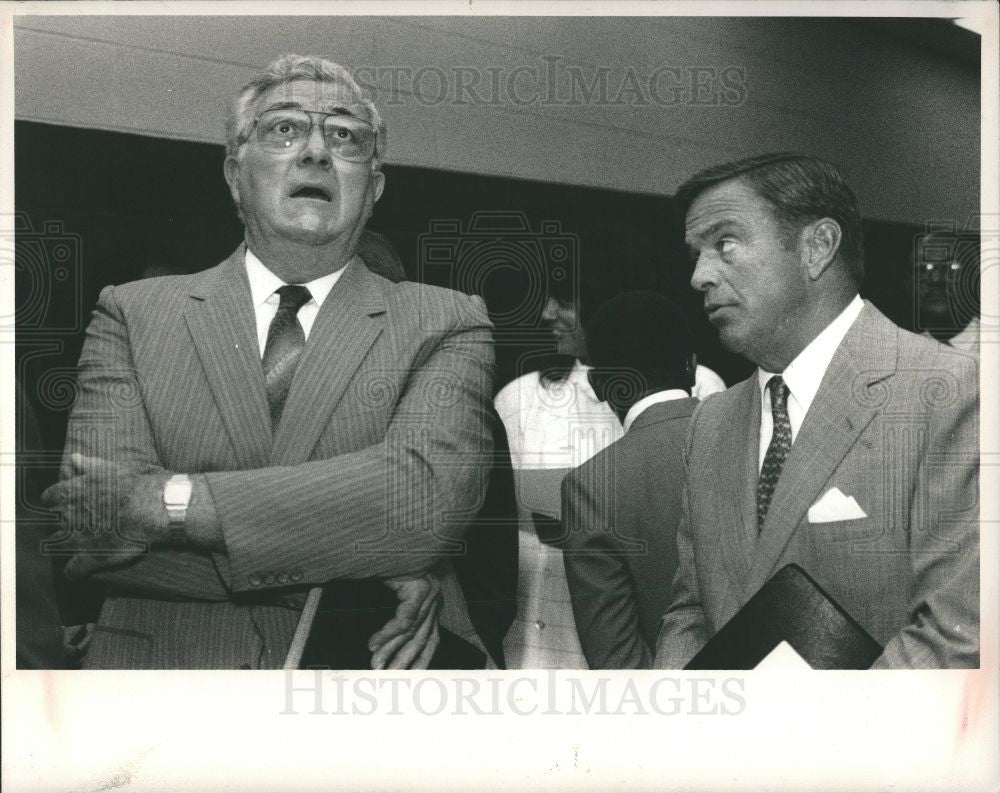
[380, 256]
[800, 189]
[639, 343]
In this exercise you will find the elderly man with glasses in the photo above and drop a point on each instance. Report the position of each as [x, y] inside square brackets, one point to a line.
[284, 420]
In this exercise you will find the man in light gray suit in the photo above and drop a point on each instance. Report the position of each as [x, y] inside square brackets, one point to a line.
[852, 451]
[279, 421]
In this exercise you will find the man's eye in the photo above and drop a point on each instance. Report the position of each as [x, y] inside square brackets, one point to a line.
[341, 134]
[725, 245]
[284, 127]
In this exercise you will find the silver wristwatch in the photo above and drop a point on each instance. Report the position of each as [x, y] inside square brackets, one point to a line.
[177, 499]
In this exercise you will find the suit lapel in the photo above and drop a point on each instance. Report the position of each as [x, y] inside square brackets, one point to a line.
[844, 405]
[347, 325]
[738, 511]
[220, 317]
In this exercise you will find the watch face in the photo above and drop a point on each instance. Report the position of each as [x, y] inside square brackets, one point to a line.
[177, 493]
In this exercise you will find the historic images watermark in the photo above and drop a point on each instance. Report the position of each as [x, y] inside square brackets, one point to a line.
[327, 693]
[550, 82]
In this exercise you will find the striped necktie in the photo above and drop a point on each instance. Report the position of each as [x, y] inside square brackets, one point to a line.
[285, 340]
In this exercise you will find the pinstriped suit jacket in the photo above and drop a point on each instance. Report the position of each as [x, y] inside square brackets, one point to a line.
[374, 470]
[894, 425]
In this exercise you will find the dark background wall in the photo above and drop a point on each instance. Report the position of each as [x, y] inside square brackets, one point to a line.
[126, 205]
[98, 208]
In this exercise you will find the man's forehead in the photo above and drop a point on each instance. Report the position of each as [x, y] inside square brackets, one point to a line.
[322, 96]
[728, 202]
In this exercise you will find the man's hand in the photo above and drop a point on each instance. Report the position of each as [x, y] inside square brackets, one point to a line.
[113, 514]
[409, 639]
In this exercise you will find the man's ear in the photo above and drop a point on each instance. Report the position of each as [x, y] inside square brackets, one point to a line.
[378, 183]
[231, 168]
[819, 243]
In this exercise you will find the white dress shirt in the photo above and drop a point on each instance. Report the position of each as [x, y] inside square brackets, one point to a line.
[653, 399]
[263, 290]
[803, 375]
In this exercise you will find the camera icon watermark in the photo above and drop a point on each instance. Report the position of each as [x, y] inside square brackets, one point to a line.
[499, 253]
[46, 263]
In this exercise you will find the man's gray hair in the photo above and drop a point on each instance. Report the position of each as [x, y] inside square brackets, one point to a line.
[286, 69]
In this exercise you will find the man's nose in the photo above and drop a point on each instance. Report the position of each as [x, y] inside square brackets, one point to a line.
[314, 150]
[705, 274]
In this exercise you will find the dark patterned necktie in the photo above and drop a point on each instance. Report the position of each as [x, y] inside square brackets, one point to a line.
[777, 449]
[285, 340]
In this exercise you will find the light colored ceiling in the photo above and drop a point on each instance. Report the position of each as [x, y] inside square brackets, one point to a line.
[831, 87]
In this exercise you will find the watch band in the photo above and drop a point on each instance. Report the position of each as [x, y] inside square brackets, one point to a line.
[176, 499]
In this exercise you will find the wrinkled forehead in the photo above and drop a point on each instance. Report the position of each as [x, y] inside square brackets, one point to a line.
[319, 95]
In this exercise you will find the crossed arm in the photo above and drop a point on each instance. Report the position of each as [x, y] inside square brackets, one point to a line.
[390, 510]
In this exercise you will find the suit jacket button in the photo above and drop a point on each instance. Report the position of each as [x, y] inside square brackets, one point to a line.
[282, 578]
[296, 576]
[255, 580]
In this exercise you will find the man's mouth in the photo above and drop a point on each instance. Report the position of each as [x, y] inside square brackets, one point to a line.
[310, 191]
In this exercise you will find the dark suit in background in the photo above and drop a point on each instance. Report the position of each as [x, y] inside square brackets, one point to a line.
[620, 511]
[39, 627]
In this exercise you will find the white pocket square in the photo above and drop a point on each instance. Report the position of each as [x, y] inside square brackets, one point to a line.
[833, 505]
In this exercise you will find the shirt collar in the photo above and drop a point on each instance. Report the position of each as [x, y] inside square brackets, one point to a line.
[650, 400]
[264, 283]
[804, 374]
[579, 380]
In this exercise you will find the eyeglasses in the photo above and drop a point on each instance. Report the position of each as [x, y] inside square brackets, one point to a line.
[347, 138]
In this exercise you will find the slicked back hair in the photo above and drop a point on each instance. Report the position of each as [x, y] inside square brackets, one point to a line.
[800, 189]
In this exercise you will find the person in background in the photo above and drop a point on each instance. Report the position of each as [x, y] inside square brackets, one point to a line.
[380, 256]
[554, 422]
[620, 509]
[944, 282]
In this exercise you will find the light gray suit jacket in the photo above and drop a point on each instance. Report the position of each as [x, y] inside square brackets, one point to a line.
[894, 425]
[375, 469]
